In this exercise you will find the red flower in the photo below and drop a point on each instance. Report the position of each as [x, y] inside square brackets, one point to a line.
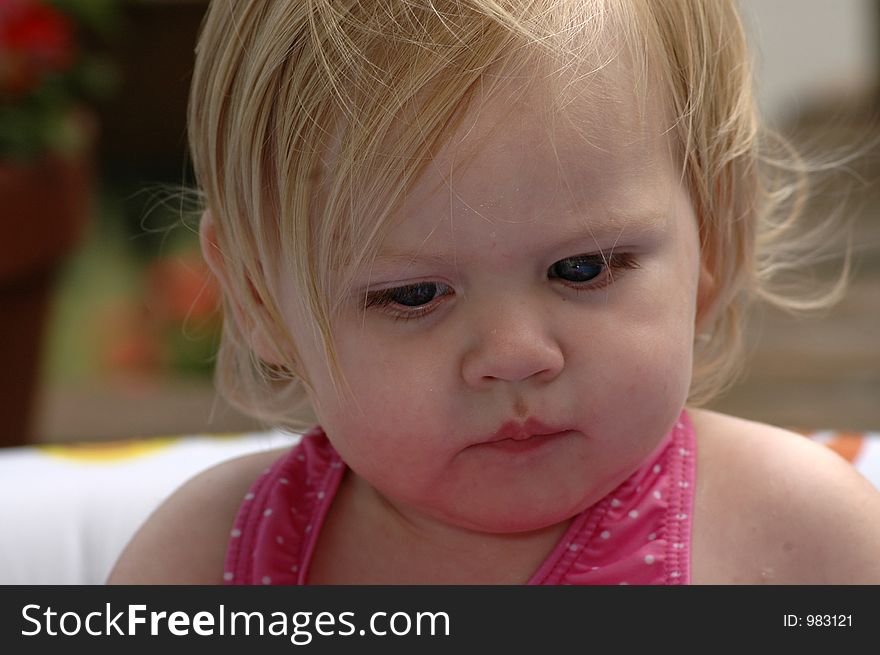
[35, 39]
[181, 288]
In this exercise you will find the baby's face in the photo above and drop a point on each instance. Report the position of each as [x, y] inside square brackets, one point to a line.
[548, 286]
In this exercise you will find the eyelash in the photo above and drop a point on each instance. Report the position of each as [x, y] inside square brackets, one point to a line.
[615, 262]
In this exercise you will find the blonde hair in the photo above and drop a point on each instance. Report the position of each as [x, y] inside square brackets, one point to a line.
[293, 105]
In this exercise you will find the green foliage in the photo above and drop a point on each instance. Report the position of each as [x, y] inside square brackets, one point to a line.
[51, 71]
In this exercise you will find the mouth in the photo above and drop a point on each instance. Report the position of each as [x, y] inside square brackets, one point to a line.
[525, 443]
[521, 437]
[532, 427]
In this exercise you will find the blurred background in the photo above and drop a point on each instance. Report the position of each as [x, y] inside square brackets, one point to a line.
[108, 323]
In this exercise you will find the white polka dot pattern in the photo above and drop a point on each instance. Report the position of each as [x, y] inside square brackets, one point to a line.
[639, 533]
[271, 544]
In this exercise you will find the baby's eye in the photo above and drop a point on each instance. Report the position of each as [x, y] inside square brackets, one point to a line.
[408, 298]
[597, 269]
[578, 269]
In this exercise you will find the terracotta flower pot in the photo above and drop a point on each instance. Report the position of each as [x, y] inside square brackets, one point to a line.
[44, 206]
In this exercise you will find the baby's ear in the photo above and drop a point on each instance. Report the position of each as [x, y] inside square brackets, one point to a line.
[707, 294]
[250, 328]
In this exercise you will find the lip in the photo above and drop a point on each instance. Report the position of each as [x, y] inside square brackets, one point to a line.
[513, 431]
[526, 444]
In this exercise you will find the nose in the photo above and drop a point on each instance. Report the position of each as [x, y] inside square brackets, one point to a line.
[512, 349]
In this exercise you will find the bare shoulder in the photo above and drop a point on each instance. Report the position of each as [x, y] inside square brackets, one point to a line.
[774, 507]
[184, 540]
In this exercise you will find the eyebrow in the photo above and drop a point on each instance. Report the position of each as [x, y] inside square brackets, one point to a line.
[615, 227]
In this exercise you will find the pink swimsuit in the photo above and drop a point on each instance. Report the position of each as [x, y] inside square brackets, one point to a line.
[640, 533]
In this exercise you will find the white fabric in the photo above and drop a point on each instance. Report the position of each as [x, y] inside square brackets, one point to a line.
[67, 511]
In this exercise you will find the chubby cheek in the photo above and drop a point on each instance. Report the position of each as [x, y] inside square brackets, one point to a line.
[658, 357]
[637, 373]
[658, 382]
[389, 425]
